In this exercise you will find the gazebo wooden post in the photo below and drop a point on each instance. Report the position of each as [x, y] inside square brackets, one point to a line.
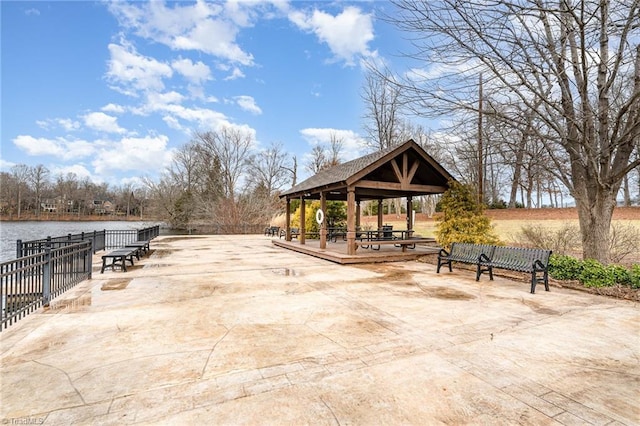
[323, 226]
[380, 214]
[351, 221]
[357, 215]
[302, 219]
[409, 214]
[288, 219]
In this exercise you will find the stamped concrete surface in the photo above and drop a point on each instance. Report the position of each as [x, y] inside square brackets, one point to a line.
[232, 330]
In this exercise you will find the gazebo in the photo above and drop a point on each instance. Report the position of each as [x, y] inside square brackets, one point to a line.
[401, 171]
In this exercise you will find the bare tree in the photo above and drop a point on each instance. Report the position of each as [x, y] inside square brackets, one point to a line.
[293, 169]
[317, 159]
[231, 147]
[184, 170]
[39, 179]
[20, 173]
[336, 145]
[575, 64]
[268, 168]
[383, 109]
[323, 156]
[165, 201]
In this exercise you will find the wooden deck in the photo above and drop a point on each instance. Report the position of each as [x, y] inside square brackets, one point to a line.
[337, 252]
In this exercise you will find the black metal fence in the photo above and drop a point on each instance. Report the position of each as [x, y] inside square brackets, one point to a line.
[226, 229]
[45, 268]
[31, 281]
[102, 240]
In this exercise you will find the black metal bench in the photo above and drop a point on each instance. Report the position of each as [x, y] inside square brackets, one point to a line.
[294, 233]
[272, 231]
[120, 257]
[464, 253]
[530, 260]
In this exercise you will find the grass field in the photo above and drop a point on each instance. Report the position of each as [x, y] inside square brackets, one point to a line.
[507, 230]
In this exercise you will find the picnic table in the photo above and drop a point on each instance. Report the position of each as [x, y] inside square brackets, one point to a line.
[375, 238]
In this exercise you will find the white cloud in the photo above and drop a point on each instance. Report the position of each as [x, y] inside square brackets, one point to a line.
[131, 72]
[39, 146]
[203, 26]
[6, 165]
[77, 169]
[116, 109]
[173, 122]
[148, 153]
[347, 34]
[201, 118]
[353, 145]
[78, 149]
[168, 105]
[66, 124]
[32, 12]
[247, 103]
[58, 147]
[196, 73]
[102, 122]
[157, 100]
[235, 74]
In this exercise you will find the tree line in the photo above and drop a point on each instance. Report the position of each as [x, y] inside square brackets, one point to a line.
[28, 192]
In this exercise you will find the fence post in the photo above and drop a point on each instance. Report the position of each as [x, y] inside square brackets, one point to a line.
[18, 249]
[89, 258]
[46, 276]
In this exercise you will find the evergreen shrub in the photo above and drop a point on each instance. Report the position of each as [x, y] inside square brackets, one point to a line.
[463, 219]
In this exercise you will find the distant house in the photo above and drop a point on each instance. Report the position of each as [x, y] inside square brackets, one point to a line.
[59, 204]
[102, 207]
[48, 206]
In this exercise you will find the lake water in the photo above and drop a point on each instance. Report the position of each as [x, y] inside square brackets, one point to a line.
[10, 232]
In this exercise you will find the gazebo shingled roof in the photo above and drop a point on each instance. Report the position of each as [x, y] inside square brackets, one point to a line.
[378, 175]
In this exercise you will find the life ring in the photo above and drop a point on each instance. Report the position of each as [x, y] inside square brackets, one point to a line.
[319, 216]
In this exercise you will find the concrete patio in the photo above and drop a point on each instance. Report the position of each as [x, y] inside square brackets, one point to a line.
[233, 330]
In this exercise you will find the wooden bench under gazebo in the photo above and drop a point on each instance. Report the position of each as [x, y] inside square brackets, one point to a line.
[402, 171]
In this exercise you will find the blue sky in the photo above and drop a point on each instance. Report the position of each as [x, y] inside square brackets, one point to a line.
[108, 90]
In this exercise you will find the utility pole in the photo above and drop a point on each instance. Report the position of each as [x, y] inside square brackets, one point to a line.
[480, 148]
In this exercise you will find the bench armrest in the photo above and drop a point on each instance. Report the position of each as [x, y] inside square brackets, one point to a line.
[443, 253]
[539, 266]
[483, 258]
